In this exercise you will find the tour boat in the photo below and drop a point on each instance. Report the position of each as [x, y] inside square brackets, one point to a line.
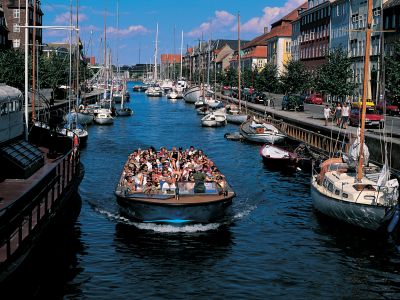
[182, 204]
[261, 132]
[274, 156]
[214, 120]
[349, 188]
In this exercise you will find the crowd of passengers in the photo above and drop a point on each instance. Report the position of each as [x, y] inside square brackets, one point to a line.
[151, 171]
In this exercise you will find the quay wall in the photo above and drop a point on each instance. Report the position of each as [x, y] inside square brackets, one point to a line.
[303, 127]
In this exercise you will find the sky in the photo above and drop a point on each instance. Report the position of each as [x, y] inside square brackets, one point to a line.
[131, 29]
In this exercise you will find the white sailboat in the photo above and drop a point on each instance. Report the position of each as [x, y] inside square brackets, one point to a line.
[122, 111]
[214, 119]
[351, 189]
[234, 113]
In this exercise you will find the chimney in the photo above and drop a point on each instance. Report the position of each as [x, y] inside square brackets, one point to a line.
[265, 29]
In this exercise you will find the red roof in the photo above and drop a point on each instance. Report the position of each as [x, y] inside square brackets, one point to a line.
[258, 51]
[170, 58]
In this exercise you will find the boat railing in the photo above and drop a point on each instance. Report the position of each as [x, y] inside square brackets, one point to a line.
[22, 221]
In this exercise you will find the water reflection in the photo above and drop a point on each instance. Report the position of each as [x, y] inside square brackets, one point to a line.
[193, 246]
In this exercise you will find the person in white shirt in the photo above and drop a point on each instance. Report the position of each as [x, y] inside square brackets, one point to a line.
[345, 115]
[327, 114]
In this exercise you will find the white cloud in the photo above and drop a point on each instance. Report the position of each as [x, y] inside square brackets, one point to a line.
[133, 29]
[270, 15]
[219, 22]
[64, 18]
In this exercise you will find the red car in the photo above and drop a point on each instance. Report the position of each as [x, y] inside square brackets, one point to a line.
[372, 117]
[314, 99]
[391, 109]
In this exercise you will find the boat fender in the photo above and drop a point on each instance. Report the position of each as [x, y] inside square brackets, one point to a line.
[395, 220]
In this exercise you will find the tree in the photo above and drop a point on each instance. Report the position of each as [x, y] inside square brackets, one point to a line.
[267, 79]
[247, 77]
[231, 77]
[392, 72]
[12, 68]
[295, 78]
[55, 71]
[335, 76]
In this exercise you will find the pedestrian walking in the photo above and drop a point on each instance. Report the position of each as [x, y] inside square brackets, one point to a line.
[345, 115]
[327, 113]
[338, 114]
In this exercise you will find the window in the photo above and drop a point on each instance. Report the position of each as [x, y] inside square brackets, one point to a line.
[16, 28]
[16, 43]
[387, 22]
[16, 13]
[344, 195]
[330, 187]
[312, 36]
[337, 192]
[394, 21]
[3, 109]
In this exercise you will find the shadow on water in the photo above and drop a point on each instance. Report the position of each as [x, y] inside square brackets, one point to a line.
[373, 257]
[53, 261]
[193, 247]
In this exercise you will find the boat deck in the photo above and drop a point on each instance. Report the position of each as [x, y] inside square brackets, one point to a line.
[14, 192]
[13, 189]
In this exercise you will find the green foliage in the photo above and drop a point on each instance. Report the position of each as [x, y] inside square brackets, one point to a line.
[231, 77]
[247, 78]
[267, 79]
[335, 76]
[392, 72]
[55, 71]
[295, 78]
[12, 68]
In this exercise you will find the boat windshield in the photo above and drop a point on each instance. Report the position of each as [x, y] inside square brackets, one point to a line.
[187, 188]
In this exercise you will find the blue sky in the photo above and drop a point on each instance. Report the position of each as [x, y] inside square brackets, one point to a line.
[138, 19]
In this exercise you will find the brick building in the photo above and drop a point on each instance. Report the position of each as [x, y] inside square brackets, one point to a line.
[14, 11]
[4, 43]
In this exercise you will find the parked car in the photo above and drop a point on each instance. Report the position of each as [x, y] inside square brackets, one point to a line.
[258, 98]
[292, 102]
[391, 108]
[372, 118]
[314, 98]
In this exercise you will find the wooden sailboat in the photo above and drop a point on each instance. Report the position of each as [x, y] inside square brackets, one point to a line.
[233, 113]
[352, 191]
[122, 111]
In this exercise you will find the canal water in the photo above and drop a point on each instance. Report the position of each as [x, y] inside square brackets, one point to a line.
[273, 246]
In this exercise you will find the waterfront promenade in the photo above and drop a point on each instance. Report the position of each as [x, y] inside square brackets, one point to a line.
[312, 119]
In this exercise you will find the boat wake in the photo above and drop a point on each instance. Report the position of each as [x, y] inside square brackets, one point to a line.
[160, 227]
[239, 212]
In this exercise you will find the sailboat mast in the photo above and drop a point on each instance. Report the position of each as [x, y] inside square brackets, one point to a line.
[77, 53]
[155, 56]
[239, 64]
[26, 69]
[33, 60]
[368, 31]
[181, 54]
[105, 53]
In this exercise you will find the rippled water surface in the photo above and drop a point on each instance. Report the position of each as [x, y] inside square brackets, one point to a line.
[275, 245]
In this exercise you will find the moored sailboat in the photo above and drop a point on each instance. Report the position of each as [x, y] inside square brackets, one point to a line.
[350, 189]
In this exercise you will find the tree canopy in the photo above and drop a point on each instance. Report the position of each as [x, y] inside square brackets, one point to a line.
[267, 79]
[12, 68]
[392, 72]
[335, 76]
[295, 78]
